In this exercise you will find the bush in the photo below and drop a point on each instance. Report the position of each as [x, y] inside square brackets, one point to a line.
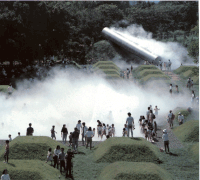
[188, 131]
[131, 170]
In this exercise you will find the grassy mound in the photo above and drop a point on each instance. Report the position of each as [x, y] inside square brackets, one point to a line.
[195, 79]
[154, 77]
[146, 72]
[188, 132]
[194, 152]
[133, 170]
[31, 147]
[187, 74]
[30, 169]
[4, 88]
[142, 67]
[183, 69]
[126, 149]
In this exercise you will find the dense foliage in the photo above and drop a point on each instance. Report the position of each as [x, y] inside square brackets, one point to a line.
[30, 30]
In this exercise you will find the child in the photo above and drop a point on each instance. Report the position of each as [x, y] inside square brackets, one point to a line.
[53, 132]
[49, 156]
[113, 130]
[145, 134]
[70, 139]
[6, 151]
[107, 128]
[100, 131]
[155, 128]
[170, 89]
[94, 131]
[149, 132]
[104, 130]
[10, 139]
[18, 133]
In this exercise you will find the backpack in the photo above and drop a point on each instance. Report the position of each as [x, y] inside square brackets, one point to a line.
[173, 116]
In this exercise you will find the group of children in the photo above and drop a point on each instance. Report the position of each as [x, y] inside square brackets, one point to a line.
[102, 129]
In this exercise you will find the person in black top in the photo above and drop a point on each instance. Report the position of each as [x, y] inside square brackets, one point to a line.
[75, 135]
[65, 132]
[30, 130]
[69, 163]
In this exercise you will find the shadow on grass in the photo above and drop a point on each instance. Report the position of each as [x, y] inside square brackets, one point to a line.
[11, 164]
[172, 154]
[79, 152]
[137, 139]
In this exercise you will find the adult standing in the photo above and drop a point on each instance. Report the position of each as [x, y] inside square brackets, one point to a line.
[75, 136]
[5, 175]
[170, 119]
[64, 133]
[30, 130]
[53, 132]
[169, 65]
[78, 126]
[165, 139]
[160, 63]
[147, 113]
[189, 83]
[130, 122]
[128, 72]
[156, 110]
[84, 130]
[89, 134]
[61, 157]
[55, 157]
[68, 158]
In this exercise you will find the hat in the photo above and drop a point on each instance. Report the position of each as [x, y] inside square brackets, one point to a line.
[164, 130]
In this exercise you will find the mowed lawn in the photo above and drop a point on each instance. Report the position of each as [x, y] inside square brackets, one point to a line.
[28, 156]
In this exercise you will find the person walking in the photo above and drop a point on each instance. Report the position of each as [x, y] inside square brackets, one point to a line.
[84, 130]
[130, 122]
[160, 63]
[170, 119]
[128, 72]
[69, 163]
[64, 133]
[170, 89]
[166, 140]
[30, 130]
[53, 132]
[193, 97]
[169, 65]
[6, 154]
[89, 134]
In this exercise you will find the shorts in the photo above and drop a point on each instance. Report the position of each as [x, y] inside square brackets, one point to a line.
[99, 132]
[170, 90]
[53, 135]
[6, 153]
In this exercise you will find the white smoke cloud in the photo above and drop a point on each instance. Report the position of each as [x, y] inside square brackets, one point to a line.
[167, 50]
[71, 95]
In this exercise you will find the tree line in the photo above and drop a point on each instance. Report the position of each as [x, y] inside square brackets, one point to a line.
[32, 30]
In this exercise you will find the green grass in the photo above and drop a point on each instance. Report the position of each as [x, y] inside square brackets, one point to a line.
[126, 149]
[142, 67]
[133, 170]
[146, 72]
[30, 147]
[195, 80]
[30, 170]
[106, 63]
[4, 88]
[187, 74]
[183, 69]
[194, 152]
[183, 112]
[188, 131]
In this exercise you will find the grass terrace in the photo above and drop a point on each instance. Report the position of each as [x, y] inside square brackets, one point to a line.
[188, 131]
[4, 88]
[126, 149]
[133, 170]
[154, 77]
[194, 152]
[183, 69]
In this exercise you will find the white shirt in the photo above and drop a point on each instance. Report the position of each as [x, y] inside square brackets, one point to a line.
[113, 129]
[78, 126]
[89, 134]
[147, 113]
[181, 118]
[170, 87]
[57, 151]
[170, 115]
[5, 177]
[165, 137]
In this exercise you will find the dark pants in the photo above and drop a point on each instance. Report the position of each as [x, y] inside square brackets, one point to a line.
[68, 169]
[75, 143]
[166, 144]
[55, 161]
[89, 140]
[6, 156]
[62, 164]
